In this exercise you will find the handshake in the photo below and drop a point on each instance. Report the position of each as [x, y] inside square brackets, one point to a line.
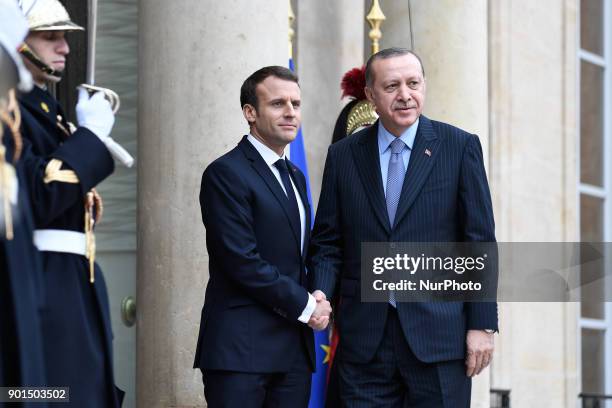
[320, 317]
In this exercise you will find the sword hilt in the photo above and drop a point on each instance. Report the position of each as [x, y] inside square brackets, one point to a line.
[110, 95]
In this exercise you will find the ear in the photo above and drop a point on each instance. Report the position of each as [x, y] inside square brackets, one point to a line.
[250, 113]
[369, 94]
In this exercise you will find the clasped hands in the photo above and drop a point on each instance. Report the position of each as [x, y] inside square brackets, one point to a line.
[320, 317]
[479, 343]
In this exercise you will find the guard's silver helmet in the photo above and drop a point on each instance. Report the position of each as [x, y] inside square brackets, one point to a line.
[47, 15]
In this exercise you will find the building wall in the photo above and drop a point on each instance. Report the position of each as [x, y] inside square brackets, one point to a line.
[328, 40]
[504, 70]
[532, 76]
[194, 56]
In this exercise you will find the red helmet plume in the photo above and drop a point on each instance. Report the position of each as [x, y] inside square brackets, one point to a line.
[353, 84]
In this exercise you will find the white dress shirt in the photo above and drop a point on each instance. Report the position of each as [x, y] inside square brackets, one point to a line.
[271, 157]
[384, 148]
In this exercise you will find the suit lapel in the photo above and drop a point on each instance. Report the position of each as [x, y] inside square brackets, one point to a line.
[367, 159]
[265, 173]
[422, 158]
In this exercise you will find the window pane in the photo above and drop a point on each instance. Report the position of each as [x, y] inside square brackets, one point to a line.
[591, 295]
[593, 377]
[591, 218]
[591, 26]
[593, 280]
[591, 230]
[591, 124]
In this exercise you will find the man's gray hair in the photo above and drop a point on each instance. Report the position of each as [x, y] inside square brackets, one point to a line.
[388, 53]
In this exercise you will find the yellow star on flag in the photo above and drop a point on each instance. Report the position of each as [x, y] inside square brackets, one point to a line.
[326, 349]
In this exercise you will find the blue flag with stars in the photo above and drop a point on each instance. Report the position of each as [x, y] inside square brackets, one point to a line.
[297, 154]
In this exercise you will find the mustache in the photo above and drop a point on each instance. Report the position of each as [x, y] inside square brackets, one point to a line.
[403, 105]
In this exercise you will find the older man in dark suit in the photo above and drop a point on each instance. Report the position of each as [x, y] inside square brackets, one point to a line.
[412, 179]
[255, 348]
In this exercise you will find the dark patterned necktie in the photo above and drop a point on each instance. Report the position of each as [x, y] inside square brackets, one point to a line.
[294, 212]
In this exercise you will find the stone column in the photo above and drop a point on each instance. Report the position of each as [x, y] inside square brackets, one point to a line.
[451, 38]
[194, 56]
[396, 29]
[533, 176]
[329, 43]
[506, 71]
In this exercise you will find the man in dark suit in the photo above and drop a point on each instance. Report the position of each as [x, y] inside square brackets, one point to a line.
[406, 179]
[255, 348]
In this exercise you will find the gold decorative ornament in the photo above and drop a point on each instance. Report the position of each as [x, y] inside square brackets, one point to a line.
[10, 115]
[360, 115]
[93, 215]
[90, 238]
[8, 184]
[375, 18]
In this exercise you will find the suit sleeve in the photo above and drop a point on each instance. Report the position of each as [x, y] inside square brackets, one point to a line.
[325, 252]
[57, 181]
[228, 218]
[476, 214]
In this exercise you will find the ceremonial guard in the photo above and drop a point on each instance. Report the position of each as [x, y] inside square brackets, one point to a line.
[21, 296]
[63, 165]
[359, 112]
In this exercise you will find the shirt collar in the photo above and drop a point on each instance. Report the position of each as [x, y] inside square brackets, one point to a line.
[385, 137]
[269, 155]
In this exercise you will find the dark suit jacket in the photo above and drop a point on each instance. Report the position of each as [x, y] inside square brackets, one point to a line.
[256, 290]
[445, 198]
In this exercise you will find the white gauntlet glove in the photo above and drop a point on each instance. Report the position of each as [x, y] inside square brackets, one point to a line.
[95, 114]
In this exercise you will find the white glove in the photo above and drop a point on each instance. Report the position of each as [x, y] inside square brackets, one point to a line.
[95, 113]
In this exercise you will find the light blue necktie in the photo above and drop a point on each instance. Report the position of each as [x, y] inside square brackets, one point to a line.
[395, 181]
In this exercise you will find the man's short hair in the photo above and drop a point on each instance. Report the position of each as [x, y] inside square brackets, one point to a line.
[247, 91]
[388, 53]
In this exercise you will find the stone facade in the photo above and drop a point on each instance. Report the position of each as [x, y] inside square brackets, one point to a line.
[505, 70]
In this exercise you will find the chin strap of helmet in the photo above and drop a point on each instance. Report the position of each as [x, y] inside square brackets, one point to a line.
[34, 59]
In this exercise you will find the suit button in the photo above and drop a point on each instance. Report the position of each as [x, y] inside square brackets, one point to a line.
[393, 246]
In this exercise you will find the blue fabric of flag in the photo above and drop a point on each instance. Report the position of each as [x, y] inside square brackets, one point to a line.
[297, 155]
